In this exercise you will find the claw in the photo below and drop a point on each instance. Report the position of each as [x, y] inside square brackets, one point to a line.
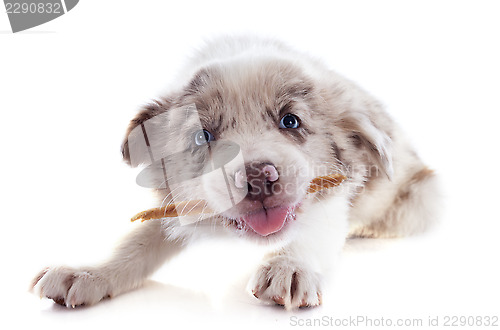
[254, 292]
[279, 300]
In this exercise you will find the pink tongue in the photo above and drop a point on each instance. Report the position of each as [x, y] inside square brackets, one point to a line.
[269, 221]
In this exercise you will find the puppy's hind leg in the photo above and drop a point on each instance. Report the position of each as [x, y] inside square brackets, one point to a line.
[136, 258]
[415, 208]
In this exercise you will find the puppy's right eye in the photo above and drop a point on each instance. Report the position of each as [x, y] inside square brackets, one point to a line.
[202, 137]
[289, 121]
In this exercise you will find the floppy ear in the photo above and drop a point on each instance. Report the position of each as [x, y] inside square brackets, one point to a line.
[136, 148]
[140, 146]
[368, 135]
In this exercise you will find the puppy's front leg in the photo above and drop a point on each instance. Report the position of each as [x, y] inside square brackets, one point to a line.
[136, 258]
[293, 275]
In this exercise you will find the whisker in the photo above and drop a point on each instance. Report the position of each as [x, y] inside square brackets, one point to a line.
[192, 208]
[172, 202]
[171, 192]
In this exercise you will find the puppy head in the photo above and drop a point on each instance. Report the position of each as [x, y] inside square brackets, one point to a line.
[247, 138]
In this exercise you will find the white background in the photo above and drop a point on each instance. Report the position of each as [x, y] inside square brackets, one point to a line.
[69, 87]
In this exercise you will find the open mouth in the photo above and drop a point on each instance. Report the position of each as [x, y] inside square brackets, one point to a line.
[265, 222]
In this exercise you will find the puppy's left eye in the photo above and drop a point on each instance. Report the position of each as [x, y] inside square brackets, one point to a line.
[203, 136]
[289, 121]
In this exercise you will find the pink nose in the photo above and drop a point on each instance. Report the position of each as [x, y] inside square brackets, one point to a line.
[259, 179]
[269, 171]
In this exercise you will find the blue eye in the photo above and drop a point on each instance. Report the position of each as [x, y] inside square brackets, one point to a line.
[289, 121]
[203, 136]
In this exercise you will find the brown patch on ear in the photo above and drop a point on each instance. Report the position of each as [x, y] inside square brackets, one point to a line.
[149, 111]
[356, 141]
[364, 133]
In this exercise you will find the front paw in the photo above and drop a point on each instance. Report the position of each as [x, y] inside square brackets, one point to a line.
[286, 282]
[71, 287]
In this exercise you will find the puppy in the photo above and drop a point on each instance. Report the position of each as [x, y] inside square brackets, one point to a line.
[249, 124]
